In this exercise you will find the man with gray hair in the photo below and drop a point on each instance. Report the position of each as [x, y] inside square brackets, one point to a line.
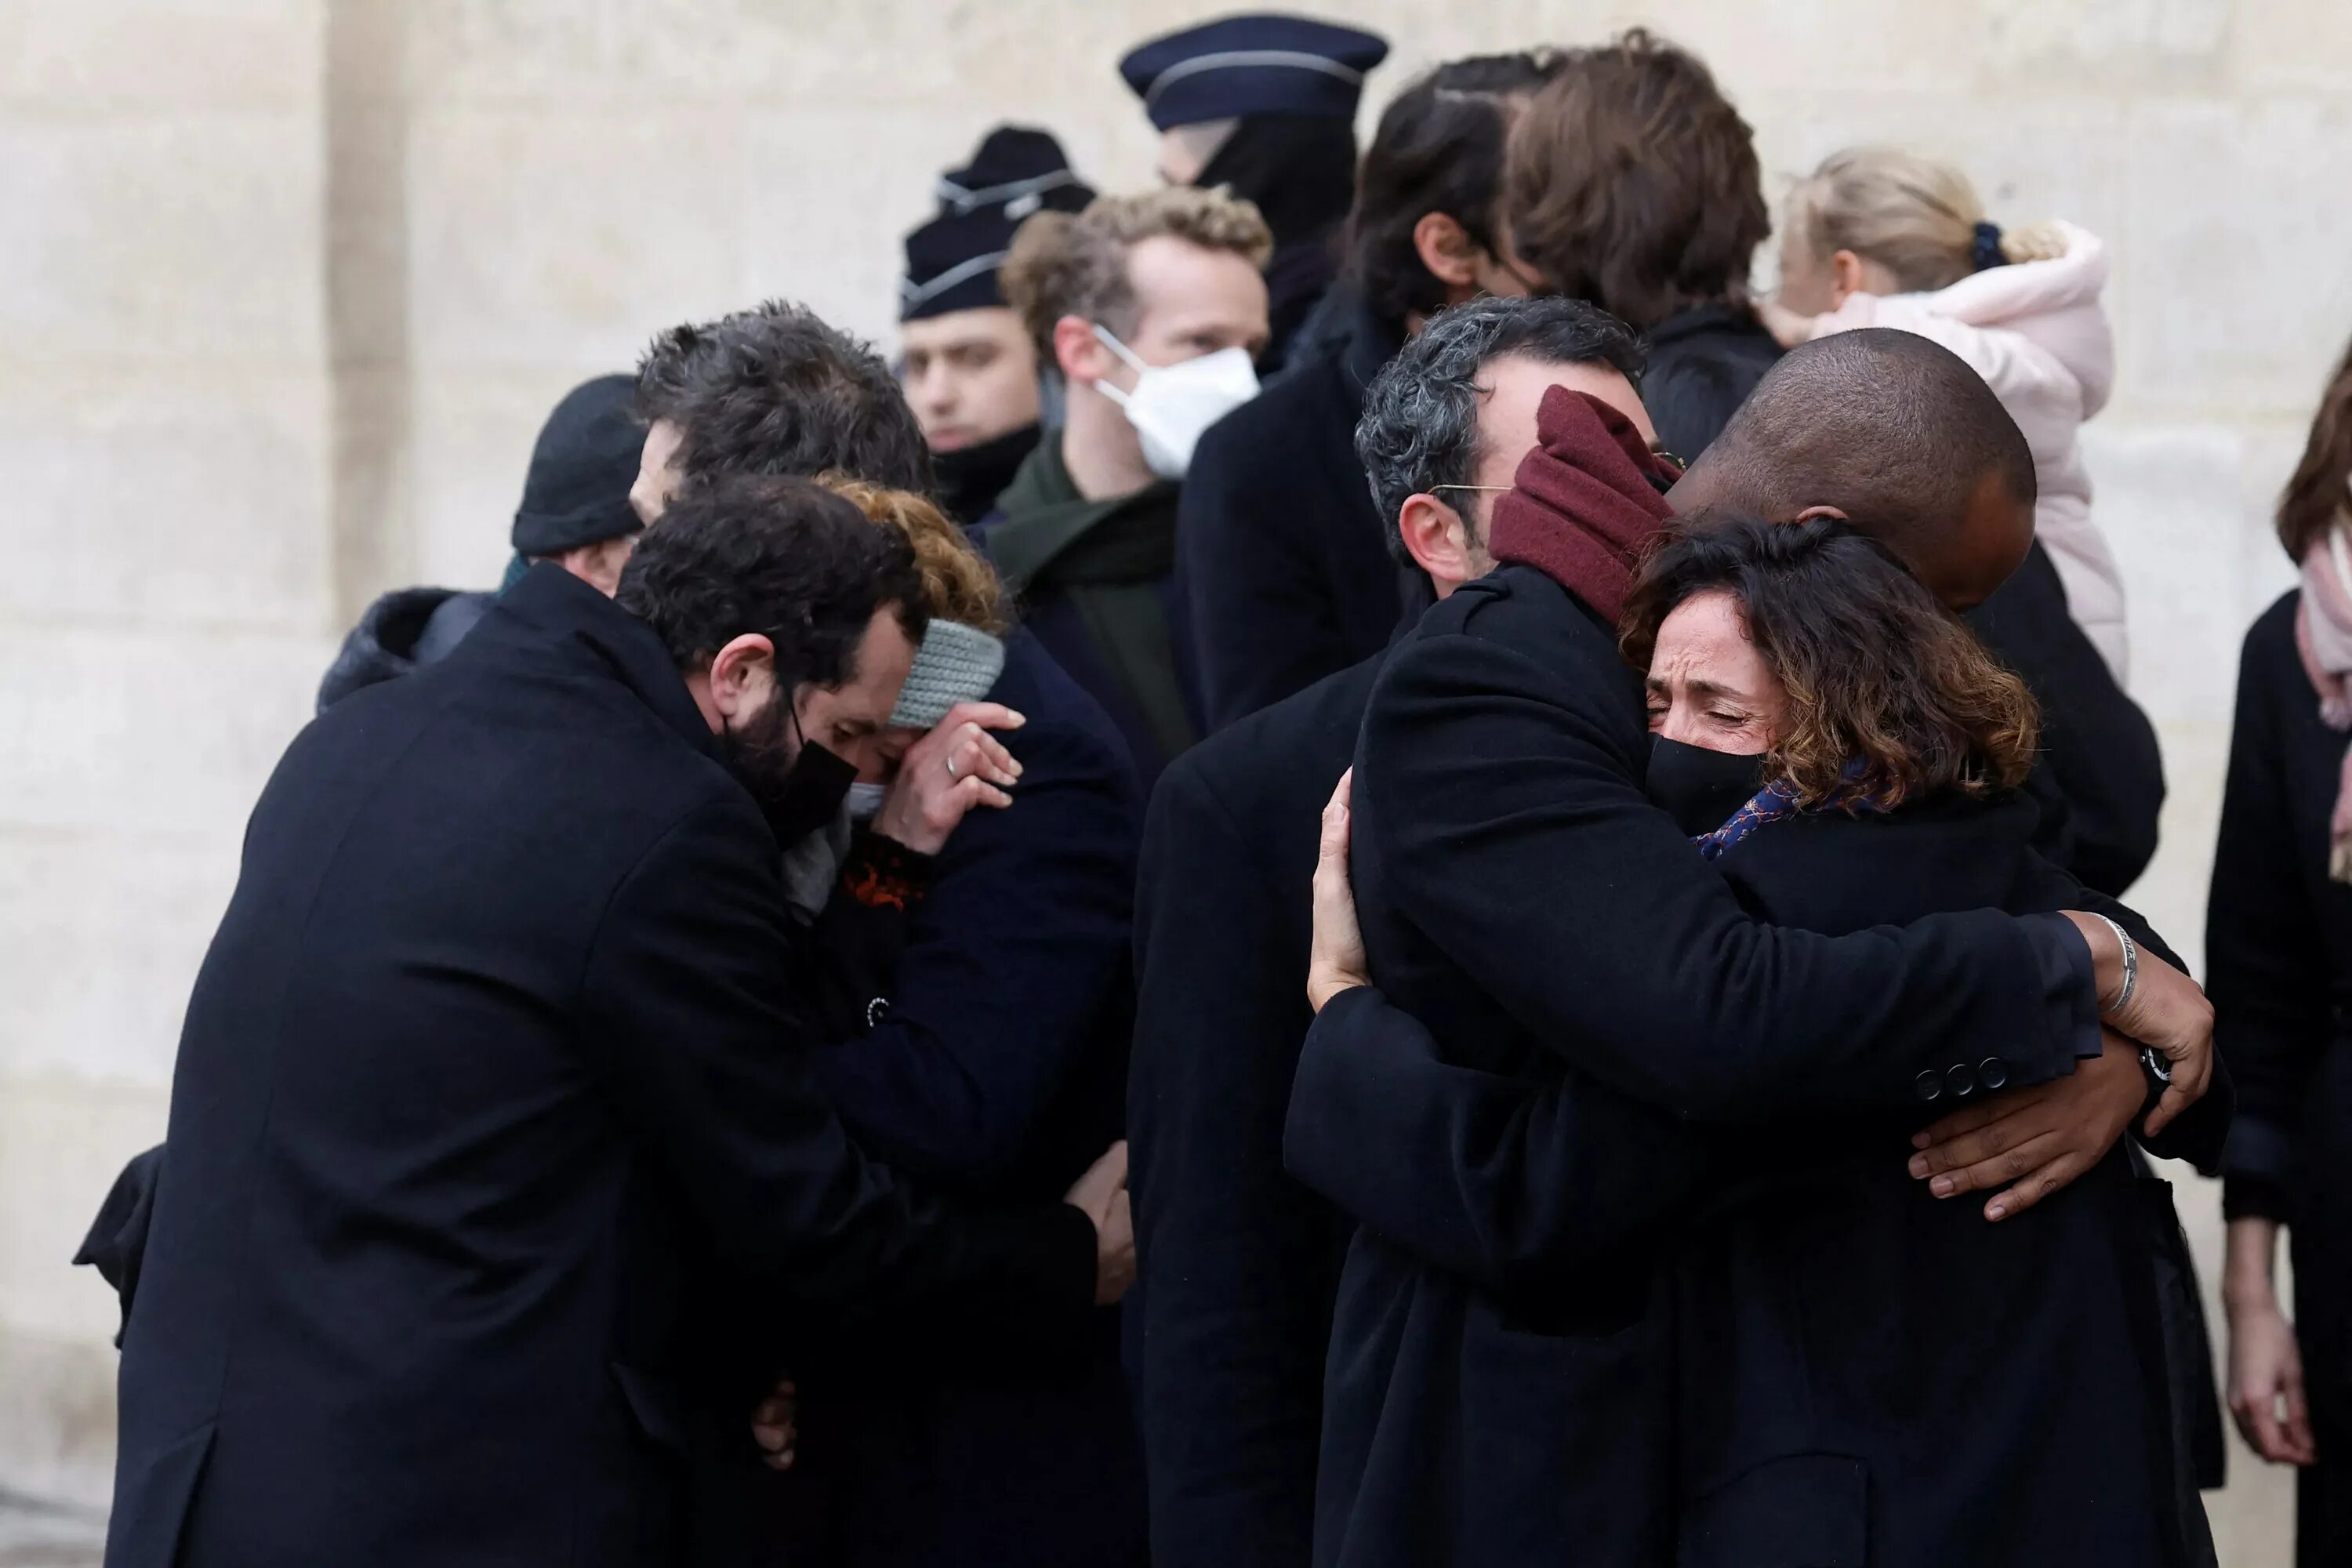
[1228, 1327]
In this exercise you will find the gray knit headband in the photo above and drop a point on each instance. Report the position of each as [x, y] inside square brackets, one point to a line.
[956, 663]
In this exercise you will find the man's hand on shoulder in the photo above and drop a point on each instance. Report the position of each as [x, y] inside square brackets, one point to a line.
[1101, 1195]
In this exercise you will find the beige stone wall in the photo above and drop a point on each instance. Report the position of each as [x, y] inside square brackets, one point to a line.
[286, 287]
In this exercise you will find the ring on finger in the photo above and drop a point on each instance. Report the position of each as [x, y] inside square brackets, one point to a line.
[950, 760]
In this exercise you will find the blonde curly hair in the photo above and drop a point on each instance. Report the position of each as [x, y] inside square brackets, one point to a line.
[957, 581]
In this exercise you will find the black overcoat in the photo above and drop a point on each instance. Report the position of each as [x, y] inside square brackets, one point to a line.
[1522, 898]
[2100, 778]
[1227, 1326]
[2278, 957]
[1703, 363]
[1283, 556]
[987, 1051]
[1858, 1367]
[487, 1054]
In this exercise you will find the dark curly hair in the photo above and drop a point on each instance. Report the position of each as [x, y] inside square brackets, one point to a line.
[1439, 148]
[1876, 671]
[786, 559]
[778, 390]
[1633, 182]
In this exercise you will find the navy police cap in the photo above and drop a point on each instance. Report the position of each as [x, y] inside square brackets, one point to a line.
[951, 260]
[1256, 64]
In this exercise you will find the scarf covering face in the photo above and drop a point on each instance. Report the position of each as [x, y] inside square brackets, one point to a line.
[1585, 502]
[2323, 636]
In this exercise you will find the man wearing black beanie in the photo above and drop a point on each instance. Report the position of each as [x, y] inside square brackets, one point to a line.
[574, 512]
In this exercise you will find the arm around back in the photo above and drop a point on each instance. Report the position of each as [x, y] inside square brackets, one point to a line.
[684, 1003]
[1498, 797]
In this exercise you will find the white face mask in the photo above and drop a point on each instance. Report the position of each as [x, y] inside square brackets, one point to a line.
[1172, 404]
[865, 799]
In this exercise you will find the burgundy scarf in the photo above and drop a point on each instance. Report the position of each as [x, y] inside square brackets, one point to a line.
[1582, 505]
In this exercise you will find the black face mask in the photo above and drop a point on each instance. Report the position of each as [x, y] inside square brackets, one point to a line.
[798, 793]
[970, 479]
[1700, 789]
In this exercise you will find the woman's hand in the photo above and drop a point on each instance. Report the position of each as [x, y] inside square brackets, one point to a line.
[2166, 1011]
[957, 766]
[1336, 962]
[2035, 1140]
[2265, 1388]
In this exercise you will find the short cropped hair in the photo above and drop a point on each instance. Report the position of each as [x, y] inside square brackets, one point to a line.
[1633, 182]
[1890, 696]
[777, 390]
[1065, 264]
[784, 558]
[1420, 425]
[957, 581]
[1880, 423]
[1440, 148]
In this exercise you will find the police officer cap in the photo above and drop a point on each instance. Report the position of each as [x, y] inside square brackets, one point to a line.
[1252, 65]
[951, 261]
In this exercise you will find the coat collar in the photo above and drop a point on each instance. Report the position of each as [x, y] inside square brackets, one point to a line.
[576, 621]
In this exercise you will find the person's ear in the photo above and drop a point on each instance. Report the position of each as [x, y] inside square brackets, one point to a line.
[1845, 276]
[1446, 249]
[1437, 537]
[1811, 513]
[743, 676]
[1079, 352]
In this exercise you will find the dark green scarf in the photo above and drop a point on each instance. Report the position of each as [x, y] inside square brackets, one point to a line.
[1109, 559]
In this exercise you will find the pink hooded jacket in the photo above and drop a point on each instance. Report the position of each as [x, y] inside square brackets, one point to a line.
[2036, 333]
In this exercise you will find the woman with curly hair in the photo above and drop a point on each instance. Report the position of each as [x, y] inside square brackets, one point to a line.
[1861, 1356]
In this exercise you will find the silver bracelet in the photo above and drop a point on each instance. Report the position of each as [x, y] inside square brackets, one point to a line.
[2131, 968]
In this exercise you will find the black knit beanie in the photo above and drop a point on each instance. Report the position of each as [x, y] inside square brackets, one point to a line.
[577, 491]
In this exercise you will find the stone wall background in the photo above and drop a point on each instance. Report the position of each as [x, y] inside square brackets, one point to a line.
[286, 287]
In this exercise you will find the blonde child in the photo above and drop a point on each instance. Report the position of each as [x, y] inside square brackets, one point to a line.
[1880, 238]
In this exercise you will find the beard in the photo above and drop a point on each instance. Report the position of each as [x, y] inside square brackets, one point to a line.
[797, 784]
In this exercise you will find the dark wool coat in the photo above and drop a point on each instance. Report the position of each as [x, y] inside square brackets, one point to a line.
[1857, 1366]
[1227, 1325]
[2278, 961]
[1522, 898]
[399, 633]
[986, 1049]
[2100, 781]
[484, 1061]
[1703, 364]
[1284, 557]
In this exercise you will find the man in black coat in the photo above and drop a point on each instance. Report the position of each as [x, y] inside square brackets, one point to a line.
[1283, 556]
[1227, 1328]
[1547, 919]
[495, 1043]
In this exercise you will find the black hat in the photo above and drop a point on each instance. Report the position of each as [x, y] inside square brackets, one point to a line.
[1252, 65]
[577, 491]
[951, 261]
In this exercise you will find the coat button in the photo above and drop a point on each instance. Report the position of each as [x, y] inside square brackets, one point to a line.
[1960, 1079]
[1928, 1086]
[1992, 1072]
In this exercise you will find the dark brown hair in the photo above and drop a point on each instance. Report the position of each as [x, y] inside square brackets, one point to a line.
[1632, 182]
[2315, 498]
[1890, 696]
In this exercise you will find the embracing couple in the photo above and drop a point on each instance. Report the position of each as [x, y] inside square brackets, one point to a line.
[1705, 963]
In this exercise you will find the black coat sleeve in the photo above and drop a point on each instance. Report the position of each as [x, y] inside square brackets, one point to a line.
[1542, 1181]
[1261, 628]
[2266, 964]
[1512, 833]
[1009, 961]
[683, 1002]
[2100, 779]
[1233, 1309]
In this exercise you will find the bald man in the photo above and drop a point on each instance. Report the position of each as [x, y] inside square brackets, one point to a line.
[1496, 1394]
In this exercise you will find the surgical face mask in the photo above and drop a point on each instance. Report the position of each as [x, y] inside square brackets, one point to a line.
[866, 800]
[1700, 789]
[1172, 404]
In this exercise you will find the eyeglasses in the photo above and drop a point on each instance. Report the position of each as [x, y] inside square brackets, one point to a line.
[1497, 489]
